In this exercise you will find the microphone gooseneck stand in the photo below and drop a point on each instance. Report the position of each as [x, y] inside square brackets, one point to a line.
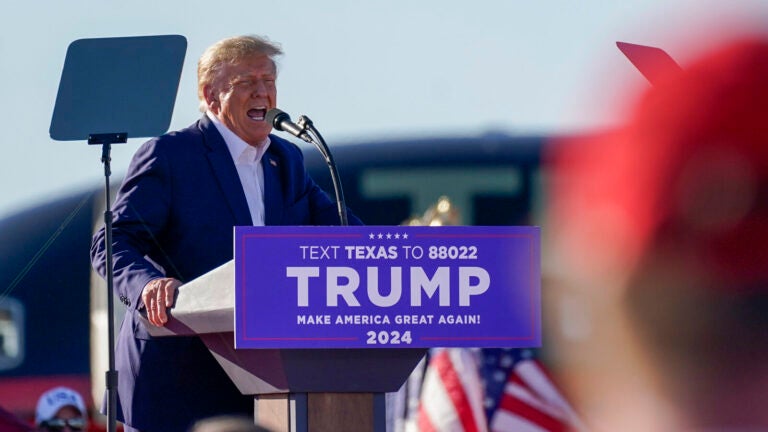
[305, 130]
[106, 141]
[306, 124]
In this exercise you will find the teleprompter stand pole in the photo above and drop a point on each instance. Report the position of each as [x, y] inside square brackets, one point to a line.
[106, 141]
[104, 89]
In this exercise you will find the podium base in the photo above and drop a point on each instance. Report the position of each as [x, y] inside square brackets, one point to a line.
[268, 371]
[321, 412]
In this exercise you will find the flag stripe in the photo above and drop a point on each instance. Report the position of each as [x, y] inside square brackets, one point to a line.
[437, 408]
[528, 398]
[538, 379]
[425, 425]
[508, 422]
[455, 390]
[518, 408]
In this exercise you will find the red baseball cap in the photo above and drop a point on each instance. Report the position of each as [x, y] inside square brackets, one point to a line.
[690, 162]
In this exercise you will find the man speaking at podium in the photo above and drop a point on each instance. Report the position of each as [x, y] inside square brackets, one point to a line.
[173, 219]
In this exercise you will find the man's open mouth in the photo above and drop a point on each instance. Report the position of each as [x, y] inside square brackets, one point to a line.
[257, 113]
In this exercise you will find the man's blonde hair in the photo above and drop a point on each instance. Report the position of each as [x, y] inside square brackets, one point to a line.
[229, 51]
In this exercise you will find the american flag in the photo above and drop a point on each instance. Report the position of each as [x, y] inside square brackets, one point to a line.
[526, 399]
[452, 395]
[497, 390]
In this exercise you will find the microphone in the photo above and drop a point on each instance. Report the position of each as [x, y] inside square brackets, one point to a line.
[281, 121]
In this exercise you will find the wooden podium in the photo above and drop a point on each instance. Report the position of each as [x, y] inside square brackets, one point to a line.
[296, 390]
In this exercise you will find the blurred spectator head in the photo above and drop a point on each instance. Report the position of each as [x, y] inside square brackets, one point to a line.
[663, 227]
[61, 409]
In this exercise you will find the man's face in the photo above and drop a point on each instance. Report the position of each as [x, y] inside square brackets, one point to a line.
[241, 95]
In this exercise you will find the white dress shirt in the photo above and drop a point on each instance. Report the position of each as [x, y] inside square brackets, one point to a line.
[248, 163]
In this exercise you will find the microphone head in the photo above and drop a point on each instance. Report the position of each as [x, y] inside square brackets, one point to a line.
[276, 117]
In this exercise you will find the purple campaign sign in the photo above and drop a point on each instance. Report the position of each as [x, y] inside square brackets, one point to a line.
[387, 287]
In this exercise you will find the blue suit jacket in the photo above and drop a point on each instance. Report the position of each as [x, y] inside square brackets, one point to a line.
[173, 217]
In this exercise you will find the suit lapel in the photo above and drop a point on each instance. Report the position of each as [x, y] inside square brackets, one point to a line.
[273, 195]
[225, 172]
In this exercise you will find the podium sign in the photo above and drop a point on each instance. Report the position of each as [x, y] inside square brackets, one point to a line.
[387, 287]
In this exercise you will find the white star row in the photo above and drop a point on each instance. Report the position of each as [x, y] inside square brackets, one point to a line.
[388, 236]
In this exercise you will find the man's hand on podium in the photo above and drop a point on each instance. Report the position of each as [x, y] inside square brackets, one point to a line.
[157, 296]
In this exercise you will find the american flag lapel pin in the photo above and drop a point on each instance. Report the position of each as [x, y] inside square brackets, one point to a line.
[273, 162]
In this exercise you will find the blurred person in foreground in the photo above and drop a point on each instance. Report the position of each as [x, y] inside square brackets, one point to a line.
[61, 409]
[173, 219]
[661, 229]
